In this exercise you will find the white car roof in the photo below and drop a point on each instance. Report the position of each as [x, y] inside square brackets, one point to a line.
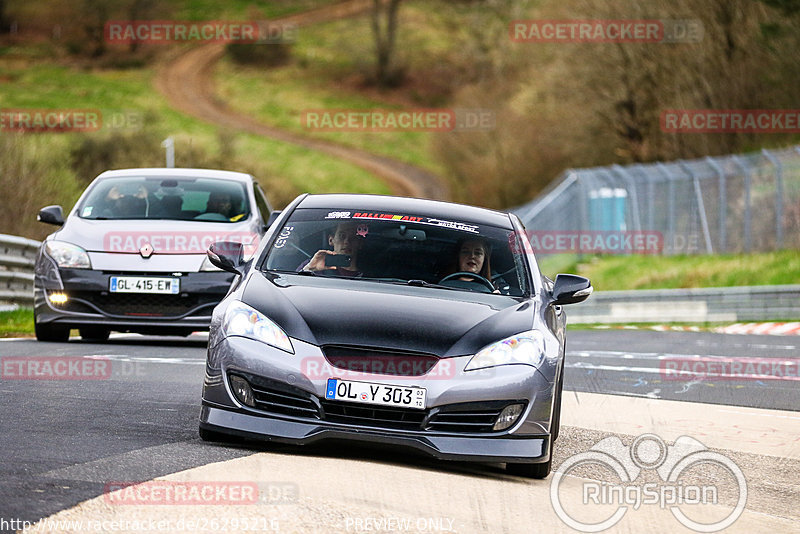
[179, 172]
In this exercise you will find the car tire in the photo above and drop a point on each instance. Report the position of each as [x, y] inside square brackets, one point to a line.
[212, 436]
[51, 332]
[530, 470]
[94, 333]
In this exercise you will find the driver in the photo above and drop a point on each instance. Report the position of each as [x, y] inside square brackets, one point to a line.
[345, 241]
[473, 257]
[222, 203]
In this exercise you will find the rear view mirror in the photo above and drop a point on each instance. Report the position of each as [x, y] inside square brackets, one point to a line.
[571, 289]
[227, 255]
[51, 215]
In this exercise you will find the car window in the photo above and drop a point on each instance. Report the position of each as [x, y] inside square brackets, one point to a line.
[177, 198]
[402, 248]
[261, 202]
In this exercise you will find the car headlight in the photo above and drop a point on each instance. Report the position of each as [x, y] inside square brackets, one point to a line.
[525, 348]
[243, 320]
[208, 266]
[67, 255]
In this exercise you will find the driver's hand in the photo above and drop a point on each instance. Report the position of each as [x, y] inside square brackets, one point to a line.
[317, 262]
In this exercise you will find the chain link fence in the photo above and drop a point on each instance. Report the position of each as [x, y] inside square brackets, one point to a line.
[737, 203]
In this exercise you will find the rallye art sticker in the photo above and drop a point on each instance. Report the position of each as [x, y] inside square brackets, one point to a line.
[464, 227]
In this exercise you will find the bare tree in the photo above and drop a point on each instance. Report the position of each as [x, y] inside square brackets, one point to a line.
[4, 24]
[384, 29]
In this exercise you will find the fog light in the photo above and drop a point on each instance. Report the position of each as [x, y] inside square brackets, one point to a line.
[508, 416]
[58, 298]
[241, 389]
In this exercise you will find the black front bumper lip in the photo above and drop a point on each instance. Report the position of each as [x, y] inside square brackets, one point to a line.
[535, 449]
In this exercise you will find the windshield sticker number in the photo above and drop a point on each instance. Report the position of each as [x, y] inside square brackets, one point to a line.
[283, 237]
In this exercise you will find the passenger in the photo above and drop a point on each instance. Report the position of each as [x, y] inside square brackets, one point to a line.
[126, 203]
[345, 241]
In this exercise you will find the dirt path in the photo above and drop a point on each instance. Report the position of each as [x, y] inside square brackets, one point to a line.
[188, 83]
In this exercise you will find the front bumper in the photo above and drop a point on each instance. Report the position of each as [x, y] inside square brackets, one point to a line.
[303, 377]
[90, 302]
[460, 448]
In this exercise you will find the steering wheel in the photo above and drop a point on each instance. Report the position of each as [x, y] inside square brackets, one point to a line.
[474, 276]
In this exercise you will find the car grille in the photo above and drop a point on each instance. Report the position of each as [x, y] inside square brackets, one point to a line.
[270, 400]
[471, 417]
[379, 361]
[464, 418]
[370, 415]
[140, 304]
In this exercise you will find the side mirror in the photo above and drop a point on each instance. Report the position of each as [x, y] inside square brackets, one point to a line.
[227, 255]
[51, 215]
[272, 218]
[570, 289]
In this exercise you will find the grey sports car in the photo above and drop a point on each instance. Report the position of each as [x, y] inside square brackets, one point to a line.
[131, 256]
[393, 320]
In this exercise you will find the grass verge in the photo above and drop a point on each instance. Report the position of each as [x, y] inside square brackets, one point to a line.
[672, 272]
[17, 323]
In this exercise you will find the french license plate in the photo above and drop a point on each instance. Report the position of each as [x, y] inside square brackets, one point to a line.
[144, 284]
[369, 393]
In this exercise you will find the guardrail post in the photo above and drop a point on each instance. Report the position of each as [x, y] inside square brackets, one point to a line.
[169, 147]
[723, 205]
[701, 207]
[637, 223]
[670, 204]
[747, 221]
[778, 198]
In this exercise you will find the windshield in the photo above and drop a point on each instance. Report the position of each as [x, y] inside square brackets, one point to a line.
[403, 248]
[197, 199]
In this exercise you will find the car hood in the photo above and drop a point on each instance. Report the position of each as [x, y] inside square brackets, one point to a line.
[165, 236]
[370, 314]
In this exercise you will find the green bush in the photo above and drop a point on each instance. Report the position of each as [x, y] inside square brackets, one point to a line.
[260, 54]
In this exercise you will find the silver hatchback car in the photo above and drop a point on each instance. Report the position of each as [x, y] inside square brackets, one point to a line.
[131, 255]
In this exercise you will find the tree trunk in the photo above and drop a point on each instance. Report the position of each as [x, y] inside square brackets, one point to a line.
[384, 29]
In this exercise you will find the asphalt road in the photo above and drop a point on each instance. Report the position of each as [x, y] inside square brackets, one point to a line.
[64, 440]
[686, 366]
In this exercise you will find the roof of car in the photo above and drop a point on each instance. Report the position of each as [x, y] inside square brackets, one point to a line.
[192, 173]
[409, 206]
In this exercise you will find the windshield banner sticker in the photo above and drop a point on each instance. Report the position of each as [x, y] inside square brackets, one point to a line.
[463, 227]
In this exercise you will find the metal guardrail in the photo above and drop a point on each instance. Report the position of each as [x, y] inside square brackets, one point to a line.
[17, 257]
[701, 305]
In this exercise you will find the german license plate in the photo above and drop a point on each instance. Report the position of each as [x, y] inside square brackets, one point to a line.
[369, 393]
[144, 284]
